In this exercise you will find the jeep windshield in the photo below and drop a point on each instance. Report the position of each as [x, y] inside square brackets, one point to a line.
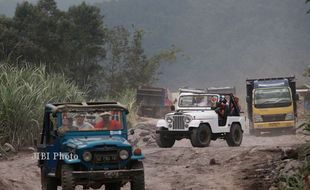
[99, 121]
[198, 101]
[273, 97]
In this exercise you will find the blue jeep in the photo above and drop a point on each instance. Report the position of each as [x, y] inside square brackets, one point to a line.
[86, 144]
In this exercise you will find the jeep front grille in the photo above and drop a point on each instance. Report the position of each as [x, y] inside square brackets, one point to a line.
[178, 122]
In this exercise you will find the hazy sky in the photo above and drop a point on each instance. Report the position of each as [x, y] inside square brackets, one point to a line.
[223, 41]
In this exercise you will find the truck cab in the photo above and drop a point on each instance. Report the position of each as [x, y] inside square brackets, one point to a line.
[86, 144]
[195, 118]
[271, 105]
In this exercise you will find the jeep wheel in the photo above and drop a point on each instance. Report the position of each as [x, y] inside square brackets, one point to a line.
[201, 136]
[137, 182]
[67, 179]
[163, 141]
[113, 186]
[48, 183]
[234, 138]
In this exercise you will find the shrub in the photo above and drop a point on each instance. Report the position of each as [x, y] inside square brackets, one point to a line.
[23, 94]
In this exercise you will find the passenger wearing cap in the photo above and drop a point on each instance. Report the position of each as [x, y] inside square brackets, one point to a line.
[81, 124]
[106, 123]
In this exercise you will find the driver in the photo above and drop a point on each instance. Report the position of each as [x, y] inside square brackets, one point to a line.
[80, 123]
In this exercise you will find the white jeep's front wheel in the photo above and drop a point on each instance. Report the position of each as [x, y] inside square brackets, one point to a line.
[201, 136]
[163, 140]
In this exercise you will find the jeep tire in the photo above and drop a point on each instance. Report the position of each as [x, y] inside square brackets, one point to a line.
[67, 179]
[201, 136]
[137, 182]
[47, 183]
[162, 140]
[234, 137]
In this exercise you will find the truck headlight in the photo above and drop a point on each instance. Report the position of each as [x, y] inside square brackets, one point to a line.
[289, 116]
[123, 154]
[169, 119]
[258, 118]
[87, 156]
[187, 119]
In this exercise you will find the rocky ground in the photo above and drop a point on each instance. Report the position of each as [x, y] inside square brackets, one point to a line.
[254, 165]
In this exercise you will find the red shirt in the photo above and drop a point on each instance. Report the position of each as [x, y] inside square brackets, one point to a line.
[114, 125]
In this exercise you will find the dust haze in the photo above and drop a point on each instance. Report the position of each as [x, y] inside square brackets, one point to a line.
[222, 42]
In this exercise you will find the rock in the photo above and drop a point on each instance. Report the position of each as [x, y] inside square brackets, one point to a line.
[213, 162]
[9, 148]
[289, 154]
[31, 149]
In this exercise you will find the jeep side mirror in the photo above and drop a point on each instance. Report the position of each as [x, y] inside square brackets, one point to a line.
[172, 108]
[131, 131]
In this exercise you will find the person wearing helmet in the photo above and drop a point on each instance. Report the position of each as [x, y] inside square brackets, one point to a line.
[222, 110]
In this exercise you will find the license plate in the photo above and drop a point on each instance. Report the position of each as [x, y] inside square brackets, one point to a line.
[105, 158]
[275, 124]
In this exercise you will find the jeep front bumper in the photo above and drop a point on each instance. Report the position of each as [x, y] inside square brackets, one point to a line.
[85, 177]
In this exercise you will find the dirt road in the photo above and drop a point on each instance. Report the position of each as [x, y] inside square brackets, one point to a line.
[182, 167]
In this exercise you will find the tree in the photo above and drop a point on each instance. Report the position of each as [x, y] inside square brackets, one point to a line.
[114, 65]
[126, 65]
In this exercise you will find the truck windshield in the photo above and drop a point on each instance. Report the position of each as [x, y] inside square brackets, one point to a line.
[273, 97]
[80, 121]
[198, 101]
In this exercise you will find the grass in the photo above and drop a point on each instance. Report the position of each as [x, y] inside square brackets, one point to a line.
[127, 97]
[23, 94]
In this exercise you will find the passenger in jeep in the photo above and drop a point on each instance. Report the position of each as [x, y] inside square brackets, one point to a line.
[106, 123]
[222, 110]
[80, 122]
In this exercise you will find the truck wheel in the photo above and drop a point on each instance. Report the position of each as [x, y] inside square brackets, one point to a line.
[47, 183]
[234, 138]
[67, 179]
[201, 136]
[113, 186]
[137, 183]
[164, 141]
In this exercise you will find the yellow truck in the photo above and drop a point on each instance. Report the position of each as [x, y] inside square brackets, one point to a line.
[271, 104]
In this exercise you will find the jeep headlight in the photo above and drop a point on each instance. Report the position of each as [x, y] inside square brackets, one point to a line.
[87, 156]
[188, 119]
[289, 116]
[258, 118]
[169, 120]
[123, 154]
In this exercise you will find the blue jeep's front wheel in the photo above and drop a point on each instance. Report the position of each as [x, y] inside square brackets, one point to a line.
[137, 183]
[67, 179]
[47, 183]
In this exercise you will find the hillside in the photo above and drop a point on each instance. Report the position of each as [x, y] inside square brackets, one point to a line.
[223, 42]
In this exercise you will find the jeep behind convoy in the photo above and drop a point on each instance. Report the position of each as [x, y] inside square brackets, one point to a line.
[76, 150]
[195, 118]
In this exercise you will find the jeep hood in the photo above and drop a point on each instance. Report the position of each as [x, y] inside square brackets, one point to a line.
[90, 142]
[199, 114]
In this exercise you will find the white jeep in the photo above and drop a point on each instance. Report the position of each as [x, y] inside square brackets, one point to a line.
[196, 118]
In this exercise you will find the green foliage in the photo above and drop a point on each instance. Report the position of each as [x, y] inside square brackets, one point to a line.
[127, 97]
[77, 44]
[23, 94]
[126, 65]
[294, 182]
